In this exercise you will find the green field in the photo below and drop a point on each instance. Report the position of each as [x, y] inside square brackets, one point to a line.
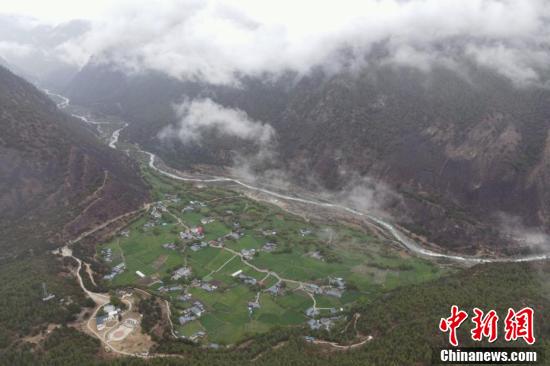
[370, 266]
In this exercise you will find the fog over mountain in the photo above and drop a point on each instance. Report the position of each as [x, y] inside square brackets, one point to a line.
[218, 41]
[30, 47]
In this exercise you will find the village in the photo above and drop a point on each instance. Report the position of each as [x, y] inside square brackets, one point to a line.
[223, 271]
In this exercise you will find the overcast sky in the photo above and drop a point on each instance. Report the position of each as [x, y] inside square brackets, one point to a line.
[55, 11]
[214, 39]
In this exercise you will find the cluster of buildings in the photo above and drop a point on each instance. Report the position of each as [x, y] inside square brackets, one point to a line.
[335, 289]
[194, 233]
[115, 271]
[313, 311]
[322, 323]
[192, 313]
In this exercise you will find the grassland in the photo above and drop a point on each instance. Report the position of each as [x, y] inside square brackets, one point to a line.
[369, 265]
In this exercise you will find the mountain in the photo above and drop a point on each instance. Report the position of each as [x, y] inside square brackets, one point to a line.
[467, 151]
[35, 48]
[56, 179]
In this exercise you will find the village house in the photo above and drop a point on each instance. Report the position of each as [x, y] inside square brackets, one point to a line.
[269, 247]
[310, 287]
[331, 291]
[195, 311]
[198, 232]
[118, 269]
[171, 198]
[215, 243]
[100, 322]
[252, 305]
[208, 287]
[111, 312]
[185, 297]
[155, 214]
[312, 312]
[107, 254]
[305, 232]
[188, 209]
[338, 282]
[233, 236]
[149, 225]
[207, 220]
[184, 319]
[323, 323]
[317, 255]
[175, 288]
[247, 279]
[197, 335]
[171, 288]
[195, 233]
[170, 246]
[275, 289]
[248, 254]
[181, 272]
[186, 235]
[198, 246]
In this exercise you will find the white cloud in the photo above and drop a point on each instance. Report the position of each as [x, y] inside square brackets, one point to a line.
[14, 50]
[214, 40]
[203, 115]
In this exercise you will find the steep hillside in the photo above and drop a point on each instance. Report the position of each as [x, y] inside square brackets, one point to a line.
[461, 148]
[56, 180]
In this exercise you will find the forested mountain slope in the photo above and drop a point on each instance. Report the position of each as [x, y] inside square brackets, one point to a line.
[56, 179]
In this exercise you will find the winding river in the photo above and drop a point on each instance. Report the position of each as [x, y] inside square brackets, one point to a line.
[387, 227]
